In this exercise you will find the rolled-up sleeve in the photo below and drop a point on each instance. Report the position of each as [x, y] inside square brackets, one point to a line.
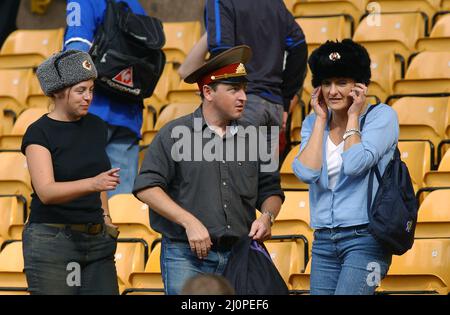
[379, 134]
[158, 167]
[305, 174]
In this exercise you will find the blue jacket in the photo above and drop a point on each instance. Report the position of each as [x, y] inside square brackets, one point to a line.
[346, 205]
[80, 37]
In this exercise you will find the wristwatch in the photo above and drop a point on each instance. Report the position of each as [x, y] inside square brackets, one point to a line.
[271, 216]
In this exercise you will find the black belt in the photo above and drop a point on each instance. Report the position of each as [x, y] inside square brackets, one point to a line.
[361, 226]
[88, 228]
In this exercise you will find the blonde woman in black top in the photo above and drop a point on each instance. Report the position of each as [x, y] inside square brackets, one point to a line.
[69, 240]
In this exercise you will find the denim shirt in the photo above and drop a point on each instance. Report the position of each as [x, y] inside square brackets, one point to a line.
[80, 37]
[346, 204]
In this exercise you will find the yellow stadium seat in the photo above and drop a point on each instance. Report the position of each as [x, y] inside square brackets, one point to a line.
[28, 48]
[12, 277]
[434, 216]
[445, 5]
[14, 175]
[184, 93]
[129, 257]
[169, 80]
[288, 178]
[307, 87]
[429, 72]
[13, 213]
[354, 8]
[447, 122]
[393, 32]
[36, 97]
[170, 112]
[423, 269]
[429, 7]
[132, 218]
[180, 38]
[300, 282]
[13, 141]
[441, 177]
[296, 123]
[318, 30]
[421, 118]
[418, 158]
[439, 39]
[149, 281]
[287, 255]
[293, 218]
[385, 71]
[289, 4]
[14, 89]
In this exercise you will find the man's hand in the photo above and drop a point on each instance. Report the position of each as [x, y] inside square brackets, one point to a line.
[198, 238]
[261, 230]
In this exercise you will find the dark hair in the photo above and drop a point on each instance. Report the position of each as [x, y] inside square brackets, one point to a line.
[212, 85]
[207, 284]
[340, 59]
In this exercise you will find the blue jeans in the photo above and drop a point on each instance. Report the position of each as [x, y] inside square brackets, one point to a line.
[179, 263]
[347, 261]
[123, 151]
[62, 261]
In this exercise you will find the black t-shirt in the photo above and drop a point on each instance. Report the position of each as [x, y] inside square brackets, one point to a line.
[78, 152]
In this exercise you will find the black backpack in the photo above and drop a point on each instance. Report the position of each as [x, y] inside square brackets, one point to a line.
[250, 270]
[127, 52]
[393, 214]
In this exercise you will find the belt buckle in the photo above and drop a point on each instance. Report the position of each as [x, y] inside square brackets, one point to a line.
[92, 228]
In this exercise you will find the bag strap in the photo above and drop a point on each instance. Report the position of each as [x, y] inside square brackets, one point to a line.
[374, 169]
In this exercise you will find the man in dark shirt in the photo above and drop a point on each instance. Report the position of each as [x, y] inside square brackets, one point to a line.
[203, 177]
[271, 32]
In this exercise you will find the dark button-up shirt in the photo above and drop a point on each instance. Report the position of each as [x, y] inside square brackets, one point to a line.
[222, 193]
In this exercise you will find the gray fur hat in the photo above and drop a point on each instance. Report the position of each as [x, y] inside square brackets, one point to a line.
[65, 69]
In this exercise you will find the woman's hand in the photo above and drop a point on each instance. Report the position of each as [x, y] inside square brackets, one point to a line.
[358, 93]
[106, 181]
[318, 104]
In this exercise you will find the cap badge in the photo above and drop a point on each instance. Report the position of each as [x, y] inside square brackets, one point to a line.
[87, 65]
[240, 71]
[334, 56]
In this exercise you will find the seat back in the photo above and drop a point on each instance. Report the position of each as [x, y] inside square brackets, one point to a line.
[423, 269]
[434, 216]
[429, 72]
[14, 89]
[12, 277]
[417, 156]
[394, 32]
[132, 217]
[180, 38]
[28, 48]
[288, 178]
[318, 30]
[421, 118]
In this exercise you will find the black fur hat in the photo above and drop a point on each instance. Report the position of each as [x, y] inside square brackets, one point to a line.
[340, 59]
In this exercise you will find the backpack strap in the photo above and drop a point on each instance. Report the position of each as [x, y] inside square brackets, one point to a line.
[374, 169]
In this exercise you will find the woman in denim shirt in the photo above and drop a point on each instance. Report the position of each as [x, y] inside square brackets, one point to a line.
[335, 159]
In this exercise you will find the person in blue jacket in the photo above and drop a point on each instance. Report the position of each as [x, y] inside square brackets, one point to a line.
[335, 159]
[124, 120]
